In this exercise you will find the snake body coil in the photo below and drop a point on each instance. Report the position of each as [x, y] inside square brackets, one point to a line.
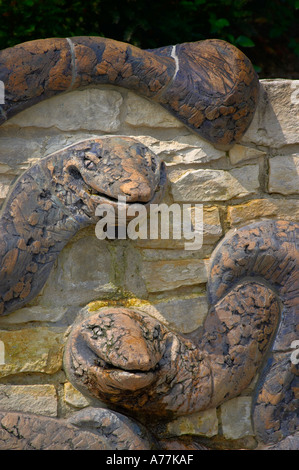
[135, 363]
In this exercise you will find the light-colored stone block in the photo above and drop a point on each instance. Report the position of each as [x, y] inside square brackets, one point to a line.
[182, 150]
[204, 423]
[166, 275]
[284, 174]
[236, 418]
[275, 122]
[73, 397]
[38, 399]
[32, 350]
[91, 109]
[216, 185]
[141, 112]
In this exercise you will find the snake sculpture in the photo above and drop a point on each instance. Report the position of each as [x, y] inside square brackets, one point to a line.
[123, 356]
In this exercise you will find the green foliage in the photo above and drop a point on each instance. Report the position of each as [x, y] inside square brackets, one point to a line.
[264, 29]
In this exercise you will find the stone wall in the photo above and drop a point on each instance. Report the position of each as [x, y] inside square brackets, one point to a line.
[257, 179]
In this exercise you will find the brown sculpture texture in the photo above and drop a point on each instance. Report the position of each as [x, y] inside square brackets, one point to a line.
[123, 356]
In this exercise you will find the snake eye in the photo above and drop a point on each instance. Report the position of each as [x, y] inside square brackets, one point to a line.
[89, 164]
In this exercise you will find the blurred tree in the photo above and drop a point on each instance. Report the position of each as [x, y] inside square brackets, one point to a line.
[267, 30]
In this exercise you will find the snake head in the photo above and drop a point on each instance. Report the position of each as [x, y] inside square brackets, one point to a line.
[121, 356]
[103, 170]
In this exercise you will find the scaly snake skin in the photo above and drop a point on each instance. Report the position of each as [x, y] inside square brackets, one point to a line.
[133, 362]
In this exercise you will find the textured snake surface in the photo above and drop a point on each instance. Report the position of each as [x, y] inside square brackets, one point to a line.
[210, 85]
[58, 196]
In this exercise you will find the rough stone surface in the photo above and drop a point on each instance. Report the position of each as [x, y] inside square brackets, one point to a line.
[284, 174]
[148, 114]
[216, 185]
[286, 209]
[270, 143]
[90, 109]
[39, 399]
[82, 274]
[239, 153]
[166, 275]
[236, 418]
[32, 350]
[218, 105]
[275, 122]
[73, 397]
[183, 149]
[204, 423]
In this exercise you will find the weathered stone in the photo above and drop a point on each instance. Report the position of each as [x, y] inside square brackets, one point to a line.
[83, 273]
[167, 275]
[239, 153]
[32, 350]
[216, 185]
[51, 203]
[73, 397]
[34, 314]
[141, 112]
[236, 418]
[284, 174]
[121, 432]
[91, 109]
[275, 122]
[287, 209]
[203, 423]
[212, 231]
[219, 105]
[182, 150]
[39, 399]
[5, 185]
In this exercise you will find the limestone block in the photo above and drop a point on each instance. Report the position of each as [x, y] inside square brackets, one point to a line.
[284, 174]
[5, 185]
[203, 423]
[183, 149]
[38, 399]
[275, 122]
[92, 109]
[32, 350]
[73, 397]
[33, 314]
[287, 209]
[216, 185]
[83, 273]
[182, 314]
[18, 152]
[171, 274]
[176, 248]
[236, 418]
[141, 112]
[239, 153]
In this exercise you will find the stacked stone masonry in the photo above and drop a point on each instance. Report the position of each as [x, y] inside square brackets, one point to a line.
[256, 179]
